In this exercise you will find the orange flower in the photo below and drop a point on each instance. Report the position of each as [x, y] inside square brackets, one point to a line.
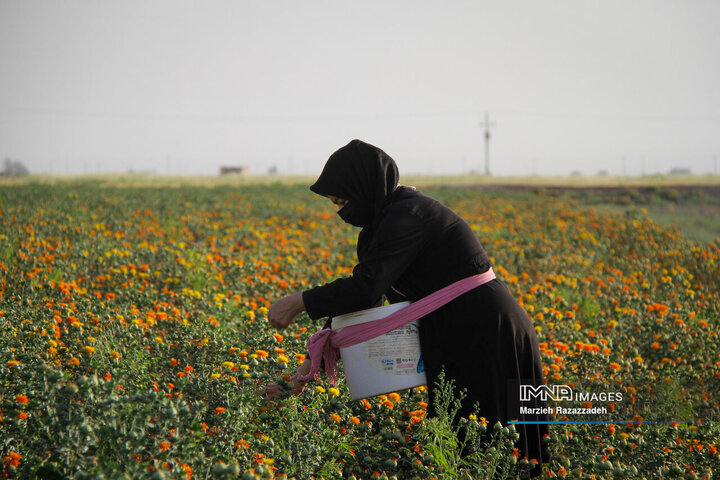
[188, 470]
[242, 443]
[12, 459]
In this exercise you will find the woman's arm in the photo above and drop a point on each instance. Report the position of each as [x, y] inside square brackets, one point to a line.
[396, 244]
[283, 312]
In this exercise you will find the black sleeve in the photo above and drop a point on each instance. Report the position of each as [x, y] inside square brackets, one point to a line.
[398, 240]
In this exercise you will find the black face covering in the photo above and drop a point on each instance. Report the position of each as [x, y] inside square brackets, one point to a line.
[363, 175]
[354, 214]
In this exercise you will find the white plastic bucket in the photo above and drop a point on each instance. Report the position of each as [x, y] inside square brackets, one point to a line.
[383, 364]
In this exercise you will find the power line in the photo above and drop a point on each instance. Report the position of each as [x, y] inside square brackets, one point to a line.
[234, 118]
[341, 116]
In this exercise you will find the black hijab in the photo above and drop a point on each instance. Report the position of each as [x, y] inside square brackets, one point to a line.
[363, 175]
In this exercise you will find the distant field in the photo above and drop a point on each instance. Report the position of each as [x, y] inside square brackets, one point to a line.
[691, 203]
[138, 180]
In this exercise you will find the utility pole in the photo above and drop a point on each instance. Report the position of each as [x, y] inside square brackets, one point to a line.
[487, 126]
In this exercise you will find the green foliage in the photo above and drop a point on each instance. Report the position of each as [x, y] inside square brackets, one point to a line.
[463, 447]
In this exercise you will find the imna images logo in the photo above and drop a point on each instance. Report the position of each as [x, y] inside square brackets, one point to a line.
[559, 393]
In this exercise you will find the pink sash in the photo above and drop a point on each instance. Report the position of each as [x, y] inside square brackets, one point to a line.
[325, 343]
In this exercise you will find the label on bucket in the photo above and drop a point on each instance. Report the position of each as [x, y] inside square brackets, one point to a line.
[396, 352]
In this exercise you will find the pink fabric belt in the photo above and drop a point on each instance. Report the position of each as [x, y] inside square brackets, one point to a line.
[324, 345]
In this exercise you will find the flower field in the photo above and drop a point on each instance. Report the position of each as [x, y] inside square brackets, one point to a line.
[134, 342]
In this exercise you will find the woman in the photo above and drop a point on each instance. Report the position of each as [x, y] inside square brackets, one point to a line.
[409, 247]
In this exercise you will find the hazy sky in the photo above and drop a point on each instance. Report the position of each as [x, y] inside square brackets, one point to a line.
[175, 86]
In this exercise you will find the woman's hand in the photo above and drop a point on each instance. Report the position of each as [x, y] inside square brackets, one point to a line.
[274, 390]
[284, 311]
